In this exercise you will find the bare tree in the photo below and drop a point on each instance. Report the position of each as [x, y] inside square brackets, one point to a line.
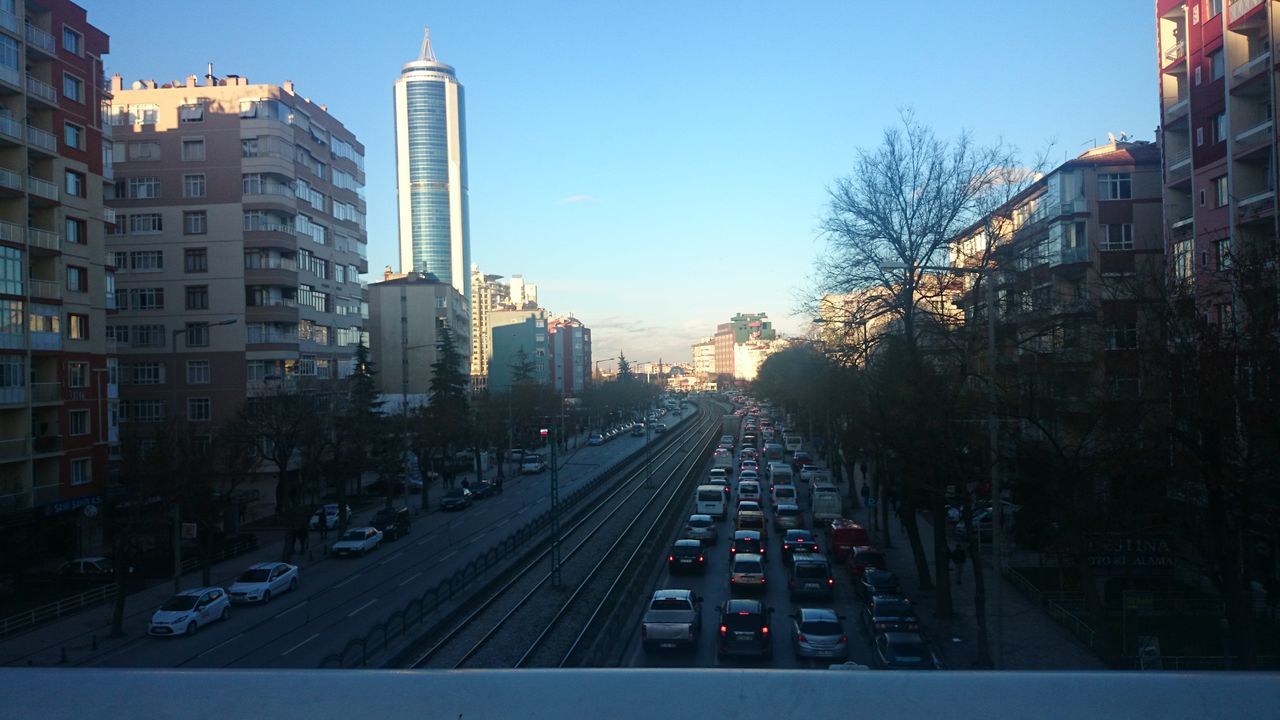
[283, 419]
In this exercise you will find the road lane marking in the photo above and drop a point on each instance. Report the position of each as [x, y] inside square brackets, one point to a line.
[522, 509]
[304, 642]
[224, 642]
[393, 557]
[446, 557]
[282, 613]
[362, 607]
[344, 582]
[410, 579]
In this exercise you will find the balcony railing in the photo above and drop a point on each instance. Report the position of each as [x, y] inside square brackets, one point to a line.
[10, 179]
[46, 340]
[1177, 108]
[42, 139]
[10, 75]
[46, 289]
[269, 227]
[41, 39]
[11, 232]
[1075, 255]
[42, 90]
[46, 392]
[1176, 157]
[9, 21]
[13, 395]
[1177, 52]
[1238, 8]
[42, 187]
[1252, 136]
[13, 448]
[10, 128]
[1253, 66]
[1182, 222]
[42, 238]
[51, 443]
[109, 215]
[274, 302]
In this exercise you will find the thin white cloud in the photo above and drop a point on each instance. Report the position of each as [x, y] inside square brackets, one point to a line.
[577, 199]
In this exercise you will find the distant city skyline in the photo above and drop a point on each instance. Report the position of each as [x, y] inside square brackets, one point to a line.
[656, 176]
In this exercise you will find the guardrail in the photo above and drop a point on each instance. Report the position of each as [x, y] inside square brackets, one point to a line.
[506, 552]
[54, 610]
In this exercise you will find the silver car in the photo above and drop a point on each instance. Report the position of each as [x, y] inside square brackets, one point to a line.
[818, 633]
[701, 527]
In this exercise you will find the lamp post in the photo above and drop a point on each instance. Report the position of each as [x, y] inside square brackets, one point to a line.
[177, 505]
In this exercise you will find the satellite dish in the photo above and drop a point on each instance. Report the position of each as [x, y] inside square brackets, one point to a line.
[1111, 137]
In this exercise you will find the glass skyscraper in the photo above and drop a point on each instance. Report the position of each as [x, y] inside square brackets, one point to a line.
[431, 171]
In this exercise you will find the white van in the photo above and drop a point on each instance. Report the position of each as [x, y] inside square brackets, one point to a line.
[780, 474]
[712, 500]
[826, 504]
[792, 443]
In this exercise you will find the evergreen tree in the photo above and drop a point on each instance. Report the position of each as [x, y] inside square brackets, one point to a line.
[523, 368]
[624, 368]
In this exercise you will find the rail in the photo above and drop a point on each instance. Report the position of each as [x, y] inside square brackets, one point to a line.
[55, 610]
[1068, 619]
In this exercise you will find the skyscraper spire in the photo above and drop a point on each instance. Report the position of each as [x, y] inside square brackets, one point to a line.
[427, 53]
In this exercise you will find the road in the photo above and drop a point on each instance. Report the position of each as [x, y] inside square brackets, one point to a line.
[338, 599]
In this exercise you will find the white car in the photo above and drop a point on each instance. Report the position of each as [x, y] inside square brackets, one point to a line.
[185, 612]
[807, 472]
[357, 541]
[261, 581]
[330, 513]
[532, 464]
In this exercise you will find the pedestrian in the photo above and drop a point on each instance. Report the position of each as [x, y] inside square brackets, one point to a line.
[863, 467]
[322, 522]
[866, 493]
[957, 559]
[305, 537]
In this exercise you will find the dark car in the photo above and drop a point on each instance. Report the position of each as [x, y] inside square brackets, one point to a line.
[902, 651]
[456, 499]
[800, 458]
[393, 522]
[686, 556]
[864, 558]
[746, 541]
[877, 582]
[798, 541]
[890, 613]
[744, 629]
[484, 489]
[811, 577]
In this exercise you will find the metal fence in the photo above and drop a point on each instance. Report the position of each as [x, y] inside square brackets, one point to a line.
[54, 610]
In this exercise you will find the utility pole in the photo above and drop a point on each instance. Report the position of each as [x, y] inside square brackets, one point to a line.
[555, 508]
[997, 502]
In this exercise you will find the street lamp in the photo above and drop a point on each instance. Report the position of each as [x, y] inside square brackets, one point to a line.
[177, 506]
[993, 431]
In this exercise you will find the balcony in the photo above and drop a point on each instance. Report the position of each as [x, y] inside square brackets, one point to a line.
[1239, 8]
[270, 235]
[109, 215]
[13, 395]
[1177, 109]
[11, 76]
[1073, 255]
[1255, 207]
[11, 232]
[45, 340]
[1179, 164]
[1175, 53]
[1254, 67]
[9, 21]
[46, 393]
[10, 130]
[13, 449]
[38, 89]
[42, 188]
[50, 444]
[1253, 137]
[38, 39]
[10, 180]
[48, 289]
[42, 140]
[46, 239]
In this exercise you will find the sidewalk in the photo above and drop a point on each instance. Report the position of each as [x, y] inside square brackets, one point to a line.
[1032, 641]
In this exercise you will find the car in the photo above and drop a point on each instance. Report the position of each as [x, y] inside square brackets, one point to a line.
[799, 460]
[744, 629]
[752, 520]
[532, 465]
[843, 535]
[262, 581]
[456, 499]
[701, 528]
[718, 481]
[357, 541]
[751, 475]
[807, 472]
[749, 506]
[186, 612]
[484, 489]
[810, 576]
[393, 522]
[787, 516]
[747, 573]
[982, 517]
[718, 473]
[95, 566]
[877, 582]
[595, 439]
[862, 558]
[798, 541]
[819, 633]
[746, 541]
[659, 428]
[783, 493]
[686, 556]
[890, 613]
[903, 651]
[750, 453]
[638, 430]
[748, 490]
[672, 620]
[727, 440]
[330, 514]
[746, 464]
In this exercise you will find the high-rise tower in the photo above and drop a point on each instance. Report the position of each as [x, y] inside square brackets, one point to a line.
[431, 171]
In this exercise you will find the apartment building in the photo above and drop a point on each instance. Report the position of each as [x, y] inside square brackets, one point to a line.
[487, 294]
[407, 313]
[239, 244]
[569, 344]
[515, 335]
[57, 374]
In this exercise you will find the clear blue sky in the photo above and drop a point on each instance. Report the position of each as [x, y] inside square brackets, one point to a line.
[657, 166]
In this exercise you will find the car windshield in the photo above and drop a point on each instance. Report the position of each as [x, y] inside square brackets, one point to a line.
[893, 608]
[786, 510]
[702, 522]
[179, 603]
[748, 566]
[254, 575]
[354, 535]
[741, 621]
[821, 627]
[811, 571]
[669, 604]
[907, 651]
[455, 493]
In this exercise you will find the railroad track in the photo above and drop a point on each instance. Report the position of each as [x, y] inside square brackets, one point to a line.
[528, 621]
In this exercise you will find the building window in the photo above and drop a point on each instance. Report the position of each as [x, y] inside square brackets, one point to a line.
[77, 279]
[1222, 249]
[1226, 318]
[195, 222]
[195, 260]
[193, 186]
[73, 136]
[197, 372]
[146, 336]
[1182, 263]
[72, 41]
[78, 374]
[146, 298]
[145, 223]
[77, 326]
[1215, 9]
[197, 297]
[147, 373]
[1199, 136]
[192, 148]
[75, 183]
[79, 422]
[73, 87]
[146, 260]
[81, 471]
[1220, 127]
[197, 334]
[144, 151]
[190, 113]
[1115, 186]
[75, 231]
[1123, 336]
[198, 409]
[1117, 237]
[1220, 194]
[143, 188]
[1217, 65]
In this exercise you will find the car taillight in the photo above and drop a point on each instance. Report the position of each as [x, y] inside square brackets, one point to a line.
[831, 581]
[844, 639]
[723, 631]
[881, 626]
[671, 558]
[765, 630]
[802, 638]
[912, 626]
[701, 559]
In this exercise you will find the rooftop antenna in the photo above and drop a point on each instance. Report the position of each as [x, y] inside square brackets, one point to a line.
[427, 53]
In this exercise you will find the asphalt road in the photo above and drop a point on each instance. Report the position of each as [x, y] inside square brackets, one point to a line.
[713, 587]
[341, 598]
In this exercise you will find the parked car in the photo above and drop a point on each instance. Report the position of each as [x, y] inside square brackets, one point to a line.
[843, 535]
[903, 651]
[702, 528]
[393, 522]
[329, 513]
[484, 489]
[532, 465]
[595, 439]
[659, 428]
[263, 580]
[357, 541]
[456, 499]
[819, 633]
[744, 629]
[877, 582]
[186, 612]
[811, 577]
[863, 558]
[672, 620]
[686, 556]
[890, 613]
[96, 566]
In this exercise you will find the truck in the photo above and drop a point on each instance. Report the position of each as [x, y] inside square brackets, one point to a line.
[826, 504]
[730, 424]
[673, 619]
[723, 459]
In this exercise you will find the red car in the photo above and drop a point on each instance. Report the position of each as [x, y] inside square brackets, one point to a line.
[861, 558]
